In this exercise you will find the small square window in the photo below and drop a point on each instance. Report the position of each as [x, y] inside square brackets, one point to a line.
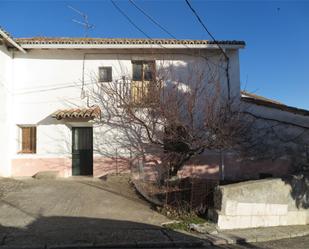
[105, 74]
[28, 139]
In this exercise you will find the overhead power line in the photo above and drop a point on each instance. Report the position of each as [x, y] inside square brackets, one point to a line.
[152, 19]
[217, 43]
[161, 27]
[204, 26]
[129, 19]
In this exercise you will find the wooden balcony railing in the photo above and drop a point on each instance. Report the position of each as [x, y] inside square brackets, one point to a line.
[139, 93]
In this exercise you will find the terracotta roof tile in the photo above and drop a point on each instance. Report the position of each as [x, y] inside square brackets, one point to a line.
[88, 113]
[129, 41]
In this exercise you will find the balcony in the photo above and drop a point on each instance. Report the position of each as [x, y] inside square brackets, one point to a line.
[138, 93]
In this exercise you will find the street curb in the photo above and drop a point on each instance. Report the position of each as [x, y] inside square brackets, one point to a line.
[172, 244]
[133, 245]
[226, 238]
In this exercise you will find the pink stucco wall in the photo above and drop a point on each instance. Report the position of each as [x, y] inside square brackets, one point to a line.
[31, 166]
[206, 166]
[103, 166]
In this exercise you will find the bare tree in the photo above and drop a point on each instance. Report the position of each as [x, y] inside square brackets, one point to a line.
[173, 113]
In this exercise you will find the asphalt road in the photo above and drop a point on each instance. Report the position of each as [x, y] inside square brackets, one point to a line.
[295, 243]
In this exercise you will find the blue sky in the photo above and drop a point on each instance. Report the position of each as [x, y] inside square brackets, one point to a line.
[275, 62]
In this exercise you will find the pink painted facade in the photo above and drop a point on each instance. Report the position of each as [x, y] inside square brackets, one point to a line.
[103, 166]
[31, 166]
[206, 166]
[209, 166]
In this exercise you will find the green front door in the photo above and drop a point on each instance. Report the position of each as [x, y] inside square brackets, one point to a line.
[82, 151]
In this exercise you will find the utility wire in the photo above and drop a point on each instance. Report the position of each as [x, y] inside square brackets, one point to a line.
[217, 43]
[165, 30]
[204, 26]
[57, 87]
[158, 24]
[129, 19]
[152, 19]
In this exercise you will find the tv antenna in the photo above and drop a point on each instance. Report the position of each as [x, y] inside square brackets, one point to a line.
[87, 26]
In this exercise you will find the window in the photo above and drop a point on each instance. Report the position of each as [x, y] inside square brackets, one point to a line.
[143, 84]
[143, 70]
[28, 139]
[137, 71]
[105, 74]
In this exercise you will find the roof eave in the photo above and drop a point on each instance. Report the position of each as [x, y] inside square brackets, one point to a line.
[12, 42]
[131, 46]
[277, 106]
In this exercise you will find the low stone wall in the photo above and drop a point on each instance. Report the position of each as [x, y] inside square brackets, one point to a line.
[260, 203]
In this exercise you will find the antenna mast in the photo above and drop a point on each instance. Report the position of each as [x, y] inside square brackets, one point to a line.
[85, 23]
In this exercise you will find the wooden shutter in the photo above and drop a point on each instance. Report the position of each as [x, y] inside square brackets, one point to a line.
[28, 140]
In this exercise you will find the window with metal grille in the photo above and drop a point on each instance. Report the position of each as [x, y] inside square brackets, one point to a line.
[105, 74]
[28, 139]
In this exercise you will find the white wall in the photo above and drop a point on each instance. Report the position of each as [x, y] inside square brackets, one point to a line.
[48, 80]
[43, 81]
[289, 124]
[5, 99]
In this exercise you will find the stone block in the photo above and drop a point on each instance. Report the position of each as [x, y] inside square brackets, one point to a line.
[258, 209]
[276, 209]
[297, 218]
[227, 222]
[244, 208]
[243, 221]
[231, 207]
[283, 220]
[258, 221]
[272, 221]
[281, 209]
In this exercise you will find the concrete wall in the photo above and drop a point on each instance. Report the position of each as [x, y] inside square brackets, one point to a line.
[47, 80]
[261, 203]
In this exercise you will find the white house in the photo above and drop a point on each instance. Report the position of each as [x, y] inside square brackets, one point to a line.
[46, 122]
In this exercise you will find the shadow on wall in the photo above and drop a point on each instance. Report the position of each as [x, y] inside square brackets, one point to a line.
[299, 189]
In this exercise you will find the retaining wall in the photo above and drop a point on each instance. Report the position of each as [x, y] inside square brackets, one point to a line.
[262, 203]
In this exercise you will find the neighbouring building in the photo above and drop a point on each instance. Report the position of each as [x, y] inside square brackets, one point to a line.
[46, 123]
